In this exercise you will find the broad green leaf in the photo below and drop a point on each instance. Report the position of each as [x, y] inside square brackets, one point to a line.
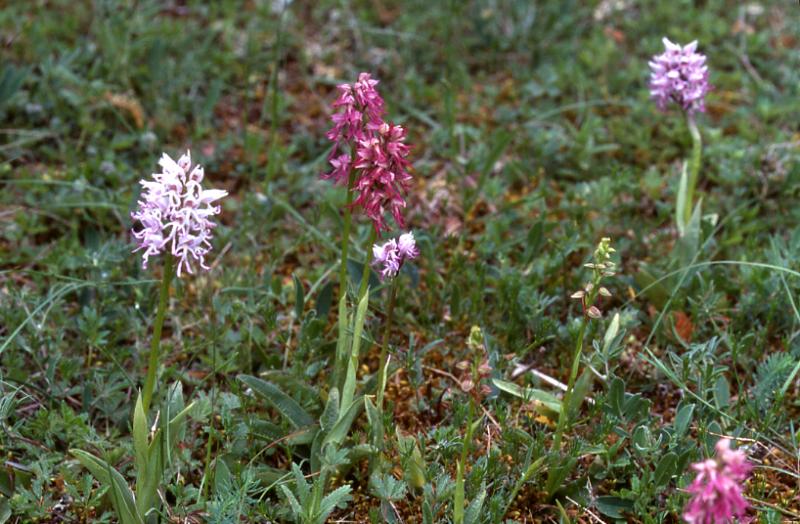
[682, 419]
[177, 425]
[223, 479]
[302, 436]
[688, 243]
[299, 297]
[340, 430]
[412, 461]
[616, 396]
[427, 512]
[172, 405]
[611, 332]
[122, 497]
[285, 404]
[375, 422]
[324, 300]
[11, 80]
[331, 413]
[722, 393]
[712, 431]
[147, 485]
[5, 510]
[342, 344]
[665, 469]
[472, 515]
[580, 391]
[613, 507]
[348, 391]
[653, 289]
[558, 469]
[140, 431]
[539, 396]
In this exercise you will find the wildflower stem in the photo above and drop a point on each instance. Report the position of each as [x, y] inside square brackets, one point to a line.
[155, 344]
[385, 346]
[573, 375]
[365, 274]
[459, 495]
[694, 166]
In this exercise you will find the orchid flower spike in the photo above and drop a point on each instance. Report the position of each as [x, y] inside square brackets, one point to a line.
[174, 213]
[679, 75]
[372, 149]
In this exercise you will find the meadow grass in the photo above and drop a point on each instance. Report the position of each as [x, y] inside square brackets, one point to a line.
[533, 137]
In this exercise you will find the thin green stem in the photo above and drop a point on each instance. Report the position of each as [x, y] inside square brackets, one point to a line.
[378, 430]
[385, 347]
[340, 365]
[694, 167]
[209, 444]
[459, 494]
[155, 343]
[573, 375]
[365, 273]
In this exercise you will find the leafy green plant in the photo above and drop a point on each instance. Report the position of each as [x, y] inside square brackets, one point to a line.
[152, 456]
[308, 503]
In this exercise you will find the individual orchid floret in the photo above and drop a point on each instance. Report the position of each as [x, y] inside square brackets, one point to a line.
[407, 246]
[175, 212]
[387, 256]
[717, 489]
[391, 255]
[679, 75]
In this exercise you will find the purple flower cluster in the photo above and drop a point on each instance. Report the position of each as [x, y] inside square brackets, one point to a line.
[374, 148]
[392, 254]
[174, 212]
[717, 490]
[679, 75]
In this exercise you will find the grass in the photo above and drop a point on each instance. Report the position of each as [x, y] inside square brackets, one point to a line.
[533, 137]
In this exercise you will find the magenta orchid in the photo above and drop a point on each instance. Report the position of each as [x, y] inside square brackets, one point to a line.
[717, 489]
[377, 152]
[175, 212]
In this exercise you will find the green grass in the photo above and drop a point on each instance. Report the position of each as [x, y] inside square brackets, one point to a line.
[533, 137]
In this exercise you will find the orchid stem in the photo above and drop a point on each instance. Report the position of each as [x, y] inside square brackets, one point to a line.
[694, 167]
[155, 343]
[385, 347]
[573, 375]
[459, 494]
[362, 289]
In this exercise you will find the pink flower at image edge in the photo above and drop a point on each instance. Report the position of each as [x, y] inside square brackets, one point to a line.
[717, 490]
